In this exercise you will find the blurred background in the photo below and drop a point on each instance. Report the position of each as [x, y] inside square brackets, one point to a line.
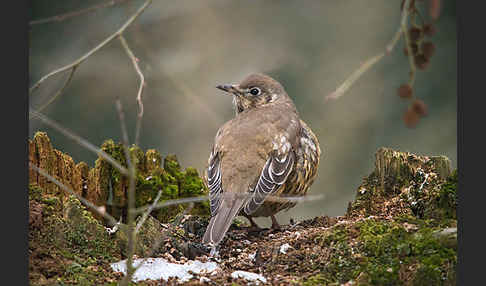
[185, 48]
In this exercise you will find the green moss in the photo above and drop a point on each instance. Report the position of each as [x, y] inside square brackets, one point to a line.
[74, 242]
[138, 158]
[172, 166]
[153, 160]
[388, 246]
[318, 279]
[84, 233]
[447, 197]
[147, 236]
[376, 252]
[189, 185]
[117, 153]
[171, 180]
[35, 192]
[341, 265]
[438, 202]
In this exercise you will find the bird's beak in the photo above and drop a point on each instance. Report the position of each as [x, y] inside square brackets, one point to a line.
[230, 88]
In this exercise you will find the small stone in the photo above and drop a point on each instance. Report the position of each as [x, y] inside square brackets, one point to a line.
[284, 248]
[204, 280]
[408, 226]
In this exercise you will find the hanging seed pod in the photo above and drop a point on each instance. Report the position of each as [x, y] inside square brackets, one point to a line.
[405, 91]
[428, 49]
[414, 34]
[410, 118]
[429, 29]
[434, 9]
[419, 107]
[421, 61]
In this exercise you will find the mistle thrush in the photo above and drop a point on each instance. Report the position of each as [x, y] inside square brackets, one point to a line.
[265, 151]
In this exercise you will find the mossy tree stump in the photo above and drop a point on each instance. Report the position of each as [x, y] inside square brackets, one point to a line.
[104, 185]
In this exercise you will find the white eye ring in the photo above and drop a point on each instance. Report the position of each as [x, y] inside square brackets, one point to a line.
[255, 91]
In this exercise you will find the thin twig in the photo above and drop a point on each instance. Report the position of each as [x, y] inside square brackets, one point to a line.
[171, 202]
[62, 17]
[180, 216]
[147, 213]
[80, 141]
[205, 198]
[131, 197]
[99, 46]
[140, 89]
[373, 60]
[354, 76]
[112, 221]
[403, 24]
[182, 87]
[156, 245]
[60, 91]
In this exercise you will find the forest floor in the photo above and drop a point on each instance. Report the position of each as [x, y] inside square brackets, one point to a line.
[401, 229]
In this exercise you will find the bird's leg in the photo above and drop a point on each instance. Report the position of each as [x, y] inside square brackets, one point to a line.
[275, 224]
[254, 226]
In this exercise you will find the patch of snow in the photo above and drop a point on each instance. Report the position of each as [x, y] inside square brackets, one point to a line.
[252, 256]
[159, 268]
[284, 248]
[204, 279]
[249, 276]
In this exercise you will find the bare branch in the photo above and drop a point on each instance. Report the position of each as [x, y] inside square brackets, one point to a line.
[147, 213]
[80, 141]
[112, 221]
[131, 197]
[205, 198]
[60, 91]
[157, 242]
[373, 60]
[354, 76]
[403, 24]
[172, 202]
[140, 89]
[91, 52]
[62, 17]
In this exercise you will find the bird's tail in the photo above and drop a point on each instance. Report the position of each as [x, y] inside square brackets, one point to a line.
[220, 223]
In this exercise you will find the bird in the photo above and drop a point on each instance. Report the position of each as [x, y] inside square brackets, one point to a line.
[265, 151]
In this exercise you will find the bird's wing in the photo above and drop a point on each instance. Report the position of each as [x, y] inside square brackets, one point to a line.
[274, 173]
[214, 182]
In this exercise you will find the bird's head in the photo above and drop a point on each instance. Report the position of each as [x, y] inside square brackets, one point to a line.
[254, 91]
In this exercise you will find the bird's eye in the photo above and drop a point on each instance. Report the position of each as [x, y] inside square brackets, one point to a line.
[255, 91]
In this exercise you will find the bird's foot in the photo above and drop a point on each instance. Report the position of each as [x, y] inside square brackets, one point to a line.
[254, 227]
[275, 224]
